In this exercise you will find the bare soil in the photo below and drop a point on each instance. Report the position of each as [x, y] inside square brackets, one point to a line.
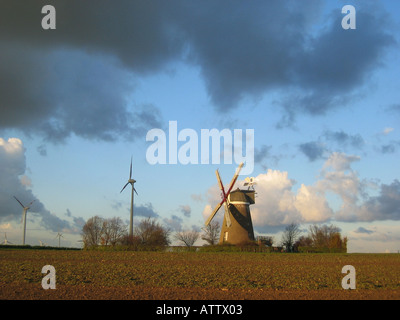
[31, 291]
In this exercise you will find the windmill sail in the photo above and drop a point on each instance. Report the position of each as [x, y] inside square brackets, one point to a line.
[221, 186]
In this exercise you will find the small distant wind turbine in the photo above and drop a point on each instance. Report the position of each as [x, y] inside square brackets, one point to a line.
[42, 244]
[59, 235]
[132, 182]
[24, 217]
[5, 239]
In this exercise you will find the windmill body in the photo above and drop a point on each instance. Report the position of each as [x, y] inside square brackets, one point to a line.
[237, 226]
[241, 228]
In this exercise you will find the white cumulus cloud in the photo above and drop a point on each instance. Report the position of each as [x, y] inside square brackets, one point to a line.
[279, 203]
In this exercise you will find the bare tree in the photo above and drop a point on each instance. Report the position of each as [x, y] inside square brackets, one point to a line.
[304, 241]
[326, 236]
[92, 232]
[151, 233]
[266, 240]
[188, 238]
[114, 229]
[290, 236]
[211, 233]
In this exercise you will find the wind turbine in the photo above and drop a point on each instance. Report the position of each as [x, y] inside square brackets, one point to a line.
[59, 235]
[132, 182]
[5, 239]
[42, 244]
[24, 216]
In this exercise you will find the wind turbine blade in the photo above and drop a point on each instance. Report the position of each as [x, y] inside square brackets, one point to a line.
[19, 202]
[214, 212]
[234, 178]
[31, 203]
[135, 190]
[124, 187]
[130, 173]
[221, 186]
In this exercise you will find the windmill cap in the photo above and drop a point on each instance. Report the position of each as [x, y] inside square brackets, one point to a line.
[242, 195]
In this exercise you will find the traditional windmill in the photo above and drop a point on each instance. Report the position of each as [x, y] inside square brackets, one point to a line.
[237, 226]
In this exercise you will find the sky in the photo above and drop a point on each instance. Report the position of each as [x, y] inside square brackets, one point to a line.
[78, 101]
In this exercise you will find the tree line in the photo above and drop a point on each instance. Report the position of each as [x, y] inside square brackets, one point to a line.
[112, 232]
[325, 238]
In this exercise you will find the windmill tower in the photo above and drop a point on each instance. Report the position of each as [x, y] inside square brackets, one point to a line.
[24, 217]
[237, 226]
[132, 182]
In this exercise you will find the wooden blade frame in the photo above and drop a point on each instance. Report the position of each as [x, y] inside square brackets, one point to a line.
[225, 195]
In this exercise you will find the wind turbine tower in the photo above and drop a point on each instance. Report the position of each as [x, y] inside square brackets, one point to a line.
[132, 182]
[59, 235]
[24, 217]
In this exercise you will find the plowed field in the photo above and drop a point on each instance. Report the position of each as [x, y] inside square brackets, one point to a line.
[193, 275]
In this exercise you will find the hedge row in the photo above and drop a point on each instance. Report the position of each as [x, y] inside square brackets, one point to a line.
[321, 250]
[29, 247]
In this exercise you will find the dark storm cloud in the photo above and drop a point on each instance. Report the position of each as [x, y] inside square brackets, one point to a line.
[338, 61]
[174, 223]
[385, 206]
[312, 150]
[256, 47]
[145, 210]
[62, 93]
[262, 153]
[363, 230]
[390, 148]
[137, 32]
[245, 48]
[315, 150]
[186, 210]
[77, 78]
[344, 139]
